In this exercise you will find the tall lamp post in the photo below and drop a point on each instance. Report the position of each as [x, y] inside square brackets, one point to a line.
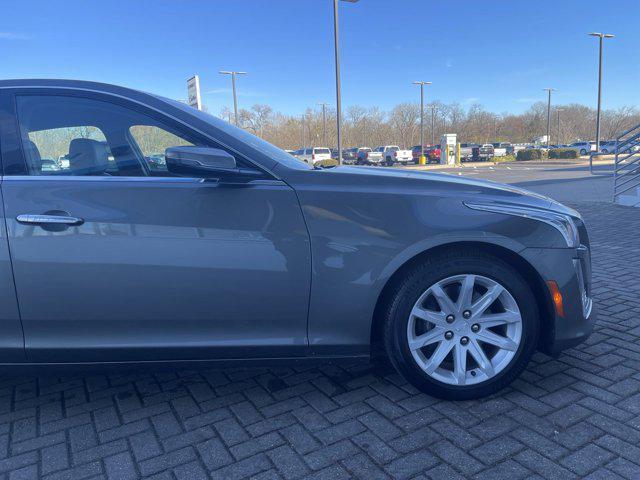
[549, 90]
[558, 110]
[324, 122]
[422, 84]
[601, 37]
[338, 94]
[233, 88]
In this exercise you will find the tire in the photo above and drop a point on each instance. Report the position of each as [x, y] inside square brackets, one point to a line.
[583, 152]
[475, 381]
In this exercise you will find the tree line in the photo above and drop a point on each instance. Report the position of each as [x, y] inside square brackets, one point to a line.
[371, 126]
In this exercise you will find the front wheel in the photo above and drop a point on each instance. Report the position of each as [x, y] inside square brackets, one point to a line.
[583, 152]
[461, 325]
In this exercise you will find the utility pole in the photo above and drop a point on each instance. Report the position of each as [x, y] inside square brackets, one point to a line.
[422, 84]
[601, 37]
[549, 90]
[324, 123]
[558, 137]
[233, 88]
[336, 41]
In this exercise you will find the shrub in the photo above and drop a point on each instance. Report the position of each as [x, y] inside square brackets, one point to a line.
[529, 154]
[563, 153]
[329, 162]
[504, 158]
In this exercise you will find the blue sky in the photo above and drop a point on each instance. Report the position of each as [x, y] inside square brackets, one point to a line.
[497, 53]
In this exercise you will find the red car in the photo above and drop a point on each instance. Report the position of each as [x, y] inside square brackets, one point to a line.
[433, 154]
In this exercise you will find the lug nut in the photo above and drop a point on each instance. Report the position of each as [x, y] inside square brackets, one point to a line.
[464, 340]
[448, 335]
[450, 318]
[475, 328]
[466, 314]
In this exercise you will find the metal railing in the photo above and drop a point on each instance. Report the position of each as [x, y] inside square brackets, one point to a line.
[626, 168]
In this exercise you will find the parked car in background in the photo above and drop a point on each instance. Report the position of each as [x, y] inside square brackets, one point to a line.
[486, 151]
[417, 150]
[49, 165]
[583, 148]
[433, 154]
[366, 156]
[467, 152]
[63, 161]
[350, 155]
[394, 154]
[315, 155]
[609, 146]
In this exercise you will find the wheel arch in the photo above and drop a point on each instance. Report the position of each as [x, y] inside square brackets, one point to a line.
[530, 274]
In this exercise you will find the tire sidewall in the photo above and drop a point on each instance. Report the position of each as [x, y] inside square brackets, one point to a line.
[418, 282]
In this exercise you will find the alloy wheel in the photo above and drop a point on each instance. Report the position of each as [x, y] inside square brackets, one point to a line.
[464, 329]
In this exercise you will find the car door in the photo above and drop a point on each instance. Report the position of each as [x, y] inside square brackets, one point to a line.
[131, 263]
[11, 338]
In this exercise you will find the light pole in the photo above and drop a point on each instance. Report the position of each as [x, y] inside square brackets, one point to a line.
[549, 90]
[337, 54]
[324, 122]
[433, 125]
[558, 137]
[233, 88]
[601, 37]
[422, 84]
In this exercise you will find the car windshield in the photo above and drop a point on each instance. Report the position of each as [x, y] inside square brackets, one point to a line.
[243, 136]
[322, 151]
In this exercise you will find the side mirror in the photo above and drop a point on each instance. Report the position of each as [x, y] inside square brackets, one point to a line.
[199, 161]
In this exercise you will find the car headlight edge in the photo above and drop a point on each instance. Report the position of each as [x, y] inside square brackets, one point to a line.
[561, 222]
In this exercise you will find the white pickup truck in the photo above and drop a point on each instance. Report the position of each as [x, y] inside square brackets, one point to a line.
[392, 154]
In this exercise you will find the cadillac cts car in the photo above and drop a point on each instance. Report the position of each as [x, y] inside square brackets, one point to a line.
[228, 249]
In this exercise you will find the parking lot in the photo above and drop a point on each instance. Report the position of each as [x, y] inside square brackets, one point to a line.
[577, 416]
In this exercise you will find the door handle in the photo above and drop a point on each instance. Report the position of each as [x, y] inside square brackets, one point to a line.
[35, 219]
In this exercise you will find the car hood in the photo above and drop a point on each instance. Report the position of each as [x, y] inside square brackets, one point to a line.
[454, 186]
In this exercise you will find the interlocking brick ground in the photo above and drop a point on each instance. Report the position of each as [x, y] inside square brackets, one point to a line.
[577, 416]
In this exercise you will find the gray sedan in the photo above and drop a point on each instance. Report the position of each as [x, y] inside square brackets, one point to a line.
[231, 250]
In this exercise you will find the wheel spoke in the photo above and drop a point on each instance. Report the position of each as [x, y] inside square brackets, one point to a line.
[484, 302]
[481, 358]
[460, 364]
[495, 319]
[446, 305]
[487, 336]
[438, 356]
[466, 292]
[437, 318]
[432, 336]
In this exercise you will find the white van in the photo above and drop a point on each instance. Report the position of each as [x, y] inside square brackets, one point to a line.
[314, 155]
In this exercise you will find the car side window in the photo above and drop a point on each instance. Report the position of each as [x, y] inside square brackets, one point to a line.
[69, 135]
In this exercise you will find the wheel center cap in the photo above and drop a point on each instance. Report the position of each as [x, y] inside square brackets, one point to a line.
[462, 327]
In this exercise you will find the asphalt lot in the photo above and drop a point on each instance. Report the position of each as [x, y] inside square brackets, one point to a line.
[565, 182]
[577, 416]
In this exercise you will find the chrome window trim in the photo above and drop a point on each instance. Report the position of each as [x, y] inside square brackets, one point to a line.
[146, 105]
[132, 179]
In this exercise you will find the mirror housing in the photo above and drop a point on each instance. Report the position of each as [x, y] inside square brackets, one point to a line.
[199, 161]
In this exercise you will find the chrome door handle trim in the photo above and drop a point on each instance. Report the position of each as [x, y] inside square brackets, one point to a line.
[34, 219]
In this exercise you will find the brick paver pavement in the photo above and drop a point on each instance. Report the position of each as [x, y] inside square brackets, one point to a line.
[573, 417]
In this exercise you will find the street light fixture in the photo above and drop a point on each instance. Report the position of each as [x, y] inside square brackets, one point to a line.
[422, 84]
[324, 122]
[337, 54]
[233, 88]
[549, 90]
[601, 37]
